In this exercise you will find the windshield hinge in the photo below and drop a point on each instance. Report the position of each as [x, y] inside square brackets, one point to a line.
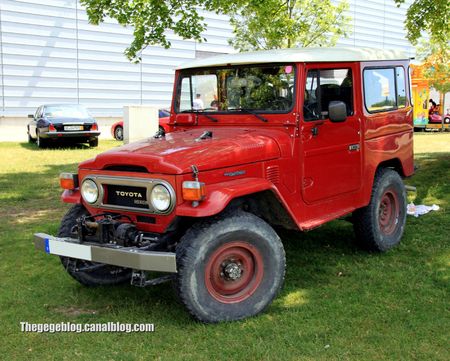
[194, 172]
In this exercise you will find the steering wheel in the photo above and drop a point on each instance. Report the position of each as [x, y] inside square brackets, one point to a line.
[308, 110]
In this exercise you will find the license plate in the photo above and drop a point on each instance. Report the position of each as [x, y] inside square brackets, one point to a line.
[73, 127]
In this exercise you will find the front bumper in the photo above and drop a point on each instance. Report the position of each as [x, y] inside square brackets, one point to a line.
[77, 134]
[128, 257]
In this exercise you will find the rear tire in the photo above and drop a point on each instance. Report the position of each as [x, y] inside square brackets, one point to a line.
[379, 226]
[447, 120]
[229, 268]
[93, 143]
[105, 276]
[118, 133]
[41, 143]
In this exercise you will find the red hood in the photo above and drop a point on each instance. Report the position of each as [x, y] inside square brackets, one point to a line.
[175, 153]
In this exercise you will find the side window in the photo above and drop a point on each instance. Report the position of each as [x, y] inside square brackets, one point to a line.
[324, 86]
[311, 109]
[198, 92]
[37, 115]
[185, 97]
[401, 87]
[410, 85]
[379, 90]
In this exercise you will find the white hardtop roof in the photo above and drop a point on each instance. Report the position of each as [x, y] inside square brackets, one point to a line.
[303, 55]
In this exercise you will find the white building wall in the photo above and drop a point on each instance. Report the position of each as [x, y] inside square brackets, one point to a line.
[377, 24]
[50, 53]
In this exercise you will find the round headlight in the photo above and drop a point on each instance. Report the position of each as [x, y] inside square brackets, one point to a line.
[89, 191]
[160, 198]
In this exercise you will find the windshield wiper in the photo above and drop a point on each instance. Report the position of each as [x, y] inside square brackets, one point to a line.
[253, 113]
[200, 112]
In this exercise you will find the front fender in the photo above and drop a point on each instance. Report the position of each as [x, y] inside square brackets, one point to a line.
[219, 195]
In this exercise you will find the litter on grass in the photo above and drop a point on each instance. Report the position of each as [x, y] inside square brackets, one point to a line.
[420, 209]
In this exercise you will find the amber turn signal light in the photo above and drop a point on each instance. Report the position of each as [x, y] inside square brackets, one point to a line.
[193, 191]
[68, 180]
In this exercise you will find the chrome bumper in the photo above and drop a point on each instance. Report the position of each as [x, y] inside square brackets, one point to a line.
[71, 134]
[117, 256]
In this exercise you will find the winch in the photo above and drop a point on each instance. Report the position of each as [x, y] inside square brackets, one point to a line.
[108, 228]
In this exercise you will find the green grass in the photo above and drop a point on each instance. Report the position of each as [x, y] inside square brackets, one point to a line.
[338, 302]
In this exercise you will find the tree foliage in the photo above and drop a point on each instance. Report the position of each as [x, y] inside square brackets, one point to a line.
[436, 64]
[271, 24]
[151, 19]
[430, 16]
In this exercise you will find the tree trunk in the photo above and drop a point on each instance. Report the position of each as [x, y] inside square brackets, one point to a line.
[442, 109]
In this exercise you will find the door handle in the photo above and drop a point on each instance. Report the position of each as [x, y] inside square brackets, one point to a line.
[315, 129]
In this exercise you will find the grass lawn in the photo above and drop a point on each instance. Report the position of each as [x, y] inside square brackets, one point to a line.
[338, 302]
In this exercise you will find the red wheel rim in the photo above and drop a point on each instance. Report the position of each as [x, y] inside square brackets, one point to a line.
[388, 212]
[234, 271]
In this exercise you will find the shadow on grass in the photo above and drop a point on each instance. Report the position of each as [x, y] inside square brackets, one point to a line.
[432, 175]
[56, 145]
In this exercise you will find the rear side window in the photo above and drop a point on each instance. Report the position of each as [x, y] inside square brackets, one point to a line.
[384, 89]
[401, 87]
[379, 90]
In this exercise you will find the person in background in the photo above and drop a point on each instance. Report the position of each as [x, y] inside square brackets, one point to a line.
[215, 103]
[433, 107]
[197, 103]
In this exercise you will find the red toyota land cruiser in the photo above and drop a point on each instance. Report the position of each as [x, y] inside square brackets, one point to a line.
[292, 138]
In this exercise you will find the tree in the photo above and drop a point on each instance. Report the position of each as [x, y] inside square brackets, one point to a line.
[272, 24]
[150, 19]
[429, 16]
[436, 65]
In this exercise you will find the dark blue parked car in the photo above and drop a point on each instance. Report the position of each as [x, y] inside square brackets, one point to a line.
[53, 122]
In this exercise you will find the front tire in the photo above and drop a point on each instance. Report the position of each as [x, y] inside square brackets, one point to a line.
[104, 276]
[379, 226]
[229, 268]
[30, 138]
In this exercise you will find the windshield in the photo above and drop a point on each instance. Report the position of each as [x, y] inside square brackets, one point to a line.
[264, 89]
[66, 111]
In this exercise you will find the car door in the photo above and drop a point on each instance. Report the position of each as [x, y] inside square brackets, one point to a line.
[33, 122]
[331, 151]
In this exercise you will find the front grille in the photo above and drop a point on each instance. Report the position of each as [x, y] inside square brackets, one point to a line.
[129, 193]
[127, 196]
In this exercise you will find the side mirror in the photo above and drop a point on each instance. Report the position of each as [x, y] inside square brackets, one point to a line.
[337, 111]
[30, 115]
